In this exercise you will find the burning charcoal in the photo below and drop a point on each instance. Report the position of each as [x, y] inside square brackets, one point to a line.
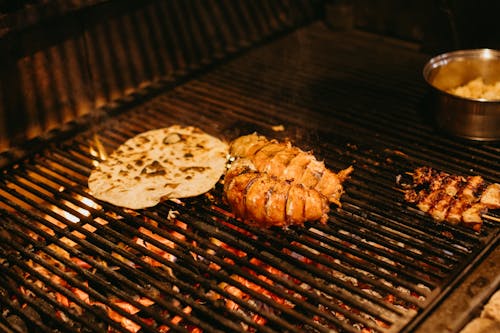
[32, 313]
[17, 323]
[3, 293]
[94, 321]
[188, 263]
[25, 326]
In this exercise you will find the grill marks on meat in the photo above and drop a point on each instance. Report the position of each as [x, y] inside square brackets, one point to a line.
[452, 198]
[276, 184]
[286, 162]
[268, 201]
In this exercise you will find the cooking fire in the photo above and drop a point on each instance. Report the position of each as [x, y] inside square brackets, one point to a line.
[189, 264]
[232, 166]
[258, 293]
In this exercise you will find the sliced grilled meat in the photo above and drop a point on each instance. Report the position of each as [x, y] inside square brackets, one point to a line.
[491, 196]
[289, 163]
[452, 198]
[265, 200]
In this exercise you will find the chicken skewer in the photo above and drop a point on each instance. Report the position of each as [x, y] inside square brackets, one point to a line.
[289, 163]
[275, 184]
[452, 198]
[267, 201]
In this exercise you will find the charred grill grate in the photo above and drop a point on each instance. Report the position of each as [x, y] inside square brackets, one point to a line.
[75, 265]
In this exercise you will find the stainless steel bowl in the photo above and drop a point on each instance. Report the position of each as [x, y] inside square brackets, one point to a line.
[475, 119]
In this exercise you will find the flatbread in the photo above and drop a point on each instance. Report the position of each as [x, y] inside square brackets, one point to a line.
[161, 164]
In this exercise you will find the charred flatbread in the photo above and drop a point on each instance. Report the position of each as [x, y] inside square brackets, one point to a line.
[161, 164]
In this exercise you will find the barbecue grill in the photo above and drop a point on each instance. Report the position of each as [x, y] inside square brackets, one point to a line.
[71, 263]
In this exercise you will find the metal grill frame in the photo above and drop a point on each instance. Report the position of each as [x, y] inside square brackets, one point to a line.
[375, 237]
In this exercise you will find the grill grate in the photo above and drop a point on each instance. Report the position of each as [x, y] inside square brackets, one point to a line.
[75, 265]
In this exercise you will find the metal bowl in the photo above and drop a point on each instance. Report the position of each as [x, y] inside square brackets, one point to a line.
[475, 119]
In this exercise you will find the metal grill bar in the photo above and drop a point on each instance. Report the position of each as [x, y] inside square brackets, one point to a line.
[94, 278]
[120, 237]
[377, 265]
[97, 225]
[21, 263]
[168, 104]
[275, 257]
[226, 255]
[406, 129]
[393, 132]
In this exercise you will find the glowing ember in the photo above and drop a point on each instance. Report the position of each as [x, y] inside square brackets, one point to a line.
[97, 150]
[254, 290]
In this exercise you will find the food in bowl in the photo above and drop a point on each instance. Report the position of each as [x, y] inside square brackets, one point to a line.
[467, 118]
[478, 89]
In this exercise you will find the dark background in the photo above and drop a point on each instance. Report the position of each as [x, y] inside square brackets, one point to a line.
[61, 59]
[437, 25]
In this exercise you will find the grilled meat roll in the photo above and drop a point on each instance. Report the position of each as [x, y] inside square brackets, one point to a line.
[452, 198]
[265, 200]
[286, 162]
[271, 183]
